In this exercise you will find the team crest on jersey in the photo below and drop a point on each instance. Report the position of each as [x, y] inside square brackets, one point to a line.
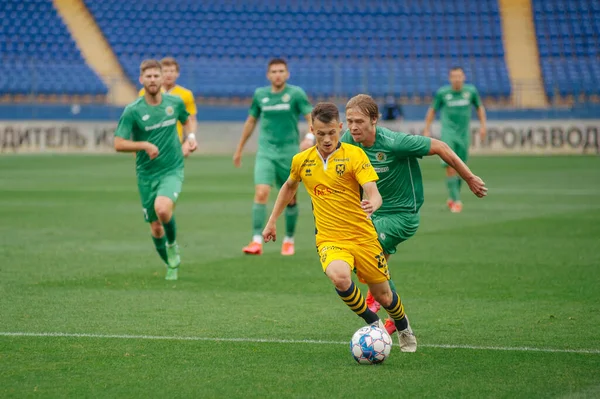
[381, 156]
[265, 100]
[169, 110]
[145, 117]
[466, 95]
[285, 98]
[340, 169]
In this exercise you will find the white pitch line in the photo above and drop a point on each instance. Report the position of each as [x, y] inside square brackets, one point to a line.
[284, 341]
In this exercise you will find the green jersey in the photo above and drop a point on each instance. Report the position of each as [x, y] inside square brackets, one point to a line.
[279, 117]
[455, 107]
[156, 124]
[394, 158]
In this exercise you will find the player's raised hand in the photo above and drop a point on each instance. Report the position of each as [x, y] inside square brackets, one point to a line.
[270, 233]
[237, 159]
[477, 186]
[151, 150]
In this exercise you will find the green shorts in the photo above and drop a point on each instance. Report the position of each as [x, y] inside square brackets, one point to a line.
[164, 186]
[272, 170]
[459, 146]
[395, 229]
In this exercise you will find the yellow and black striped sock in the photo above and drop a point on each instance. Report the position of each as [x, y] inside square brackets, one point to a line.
[396, 312]
[355, 301]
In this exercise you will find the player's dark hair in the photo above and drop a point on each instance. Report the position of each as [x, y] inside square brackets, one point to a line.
[276, 61]
[170, 61]
[457, 68]
[365, 104]
[149, 64]
[325, 112]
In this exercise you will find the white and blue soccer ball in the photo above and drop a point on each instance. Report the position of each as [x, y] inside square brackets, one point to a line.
[370, 345]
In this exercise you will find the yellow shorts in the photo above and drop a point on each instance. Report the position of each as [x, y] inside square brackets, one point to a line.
[366, 259]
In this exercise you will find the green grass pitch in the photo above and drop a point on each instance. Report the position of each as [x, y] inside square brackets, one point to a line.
[518, 269]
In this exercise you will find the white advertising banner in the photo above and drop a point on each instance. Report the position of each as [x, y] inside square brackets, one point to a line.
[503, 137]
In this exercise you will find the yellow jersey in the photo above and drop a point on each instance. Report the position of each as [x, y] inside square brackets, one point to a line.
[334, 185]
[188, 100]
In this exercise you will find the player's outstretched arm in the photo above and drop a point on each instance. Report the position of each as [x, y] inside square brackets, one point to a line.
[442, 150]
[249, 126]
[428, 121]
[286, 193]
[123, 145]
[372, 199]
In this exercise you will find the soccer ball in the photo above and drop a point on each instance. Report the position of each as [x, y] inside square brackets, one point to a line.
[370, 345]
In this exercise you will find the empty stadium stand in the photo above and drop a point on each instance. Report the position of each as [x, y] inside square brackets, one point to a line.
[38, 55]
[568, 34]
[405, 48]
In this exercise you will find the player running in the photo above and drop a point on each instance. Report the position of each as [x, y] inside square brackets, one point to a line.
[278, 106]
[147, 127]
[170, 73]
[394, 157]
[455, 103]
[334, 174]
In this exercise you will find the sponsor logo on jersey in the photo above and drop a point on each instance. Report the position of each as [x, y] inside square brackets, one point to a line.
[382, 236]
[458, 103]
[265, 100]
[366, 165]
[382, 170]
[309, 162]
[168, 122]
[340, 169]
[448, 96]
[380, 156]
[145, 117]
[286, 98]
[322, 190]
[277, 107]
[169, 110]
[341, 160]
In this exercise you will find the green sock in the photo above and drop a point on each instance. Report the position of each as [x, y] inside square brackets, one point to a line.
[291, 217]
[170, 230]
[452, 184]
[159, 243]
[259, 214]
[458, 184]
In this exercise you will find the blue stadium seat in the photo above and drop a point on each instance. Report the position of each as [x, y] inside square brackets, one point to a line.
[37, 52]
[329, 52]
[568, 35]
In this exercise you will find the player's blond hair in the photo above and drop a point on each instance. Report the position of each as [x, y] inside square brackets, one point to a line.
[149, 64]
[170, 61]
[365, 104]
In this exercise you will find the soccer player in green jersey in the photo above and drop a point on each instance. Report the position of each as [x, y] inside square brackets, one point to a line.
[278, 106]
[455, 102]
[394, 157]
[148, 127]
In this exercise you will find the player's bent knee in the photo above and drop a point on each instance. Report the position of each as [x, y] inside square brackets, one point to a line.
[340, 275]
[163, 206]
[156, 229]
[261, 193]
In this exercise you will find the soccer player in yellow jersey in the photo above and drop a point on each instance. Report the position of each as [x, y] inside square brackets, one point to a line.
[170, 73]
[333, 174]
